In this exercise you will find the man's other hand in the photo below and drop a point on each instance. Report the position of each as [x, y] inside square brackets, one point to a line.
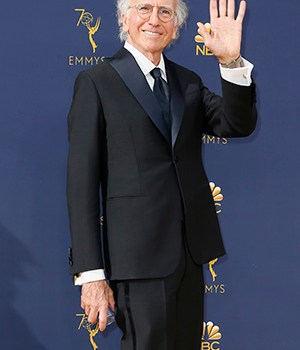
[95, 299]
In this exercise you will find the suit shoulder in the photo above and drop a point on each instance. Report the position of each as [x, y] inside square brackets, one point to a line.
[98, 74]
[104, 67]
[96, 70]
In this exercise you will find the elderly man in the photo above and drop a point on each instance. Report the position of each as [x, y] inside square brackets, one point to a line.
[135, 129]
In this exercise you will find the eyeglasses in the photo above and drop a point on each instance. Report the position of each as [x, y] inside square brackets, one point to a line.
[144, 11]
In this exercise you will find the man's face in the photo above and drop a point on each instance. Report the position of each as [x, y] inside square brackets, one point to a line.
[150, 36]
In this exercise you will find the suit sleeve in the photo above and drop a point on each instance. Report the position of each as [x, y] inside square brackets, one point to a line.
[85, 128]
[234, 115]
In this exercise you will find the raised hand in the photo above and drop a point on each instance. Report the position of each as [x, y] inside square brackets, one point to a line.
[225, 37]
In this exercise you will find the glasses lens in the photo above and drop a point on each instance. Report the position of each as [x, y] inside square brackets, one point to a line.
[165, 14]
[144, 10]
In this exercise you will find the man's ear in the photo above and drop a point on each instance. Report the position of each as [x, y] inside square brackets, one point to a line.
[125, 22]
[174, 34]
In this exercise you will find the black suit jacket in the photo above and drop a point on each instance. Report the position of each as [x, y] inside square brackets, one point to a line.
[151, 185]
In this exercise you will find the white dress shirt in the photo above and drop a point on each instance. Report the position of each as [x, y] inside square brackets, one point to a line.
[239, 76]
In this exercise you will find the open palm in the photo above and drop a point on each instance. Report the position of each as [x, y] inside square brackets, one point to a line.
[224, 39]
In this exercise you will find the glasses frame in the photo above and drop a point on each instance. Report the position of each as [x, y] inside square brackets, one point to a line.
[136, 7]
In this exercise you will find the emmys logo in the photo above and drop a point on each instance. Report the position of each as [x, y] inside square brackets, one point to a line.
[92, 329]
[86, 19]
[217, 196]
[207, 139]
[210, 336]
[200, 47]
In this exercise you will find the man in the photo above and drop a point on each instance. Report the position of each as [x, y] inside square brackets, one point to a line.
[135, 129]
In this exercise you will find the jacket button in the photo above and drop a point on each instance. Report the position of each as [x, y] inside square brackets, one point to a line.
[176, 160]
[70, 257]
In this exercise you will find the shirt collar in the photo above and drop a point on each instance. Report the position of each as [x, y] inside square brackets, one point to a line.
[144, 63]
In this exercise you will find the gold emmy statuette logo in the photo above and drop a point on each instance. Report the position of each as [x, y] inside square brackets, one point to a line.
[217, 196]
[86, 19]
[211, 270]
[200, 47]
[210, 335]
[91, 328]
[214, 288]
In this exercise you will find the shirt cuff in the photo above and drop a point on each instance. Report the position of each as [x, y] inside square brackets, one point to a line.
[239, 76]
[89, 276]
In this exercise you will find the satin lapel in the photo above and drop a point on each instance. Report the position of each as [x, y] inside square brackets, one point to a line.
[127, 68]
[177, 100]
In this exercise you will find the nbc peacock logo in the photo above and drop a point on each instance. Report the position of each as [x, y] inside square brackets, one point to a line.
[211, 336]
[217, 196]
[201, 49]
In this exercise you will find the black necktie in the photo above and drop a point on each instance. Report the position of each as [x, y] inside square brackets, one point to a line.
[161, 92]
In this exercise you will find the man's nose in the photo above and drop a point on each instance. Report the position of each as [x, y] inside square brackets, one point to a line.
[154, 19]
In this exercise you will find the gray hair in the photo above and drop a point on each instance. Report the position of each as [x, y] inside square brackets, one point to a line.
[180, 18]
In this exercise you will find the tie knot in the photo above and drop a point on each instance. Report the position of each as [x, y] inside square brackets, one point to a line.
[155, 73]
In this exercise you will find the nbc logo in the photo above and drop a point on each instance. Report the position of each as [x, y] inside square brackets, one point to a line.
[210, 336]
[200, 47]
[217, 196]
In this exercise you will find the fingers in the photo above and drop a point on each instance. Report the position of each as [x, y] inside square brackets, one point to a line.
[95, 299]
[93, 315]
[226, 8]
[231, 8]
[103, 317]
[213, 9]
[90, 311]
[85, 307]
[111, 300]
[97, 314]
[203, 32]
[242, 11]
[222, 8]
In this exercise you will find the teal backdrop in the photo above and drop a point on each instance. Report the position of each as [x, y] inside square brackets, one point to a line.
[254, 299]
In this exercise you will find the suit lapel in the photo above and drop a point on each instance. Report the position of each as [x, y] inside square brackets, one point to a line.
[177, 101]
[127, 68]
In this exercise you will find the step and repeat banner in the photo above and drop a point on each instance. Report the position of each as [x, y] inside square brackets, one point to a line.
[252, 294]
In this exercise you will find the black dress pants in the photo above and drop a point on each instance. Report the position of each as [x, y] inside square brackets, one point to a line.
[164, 313]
